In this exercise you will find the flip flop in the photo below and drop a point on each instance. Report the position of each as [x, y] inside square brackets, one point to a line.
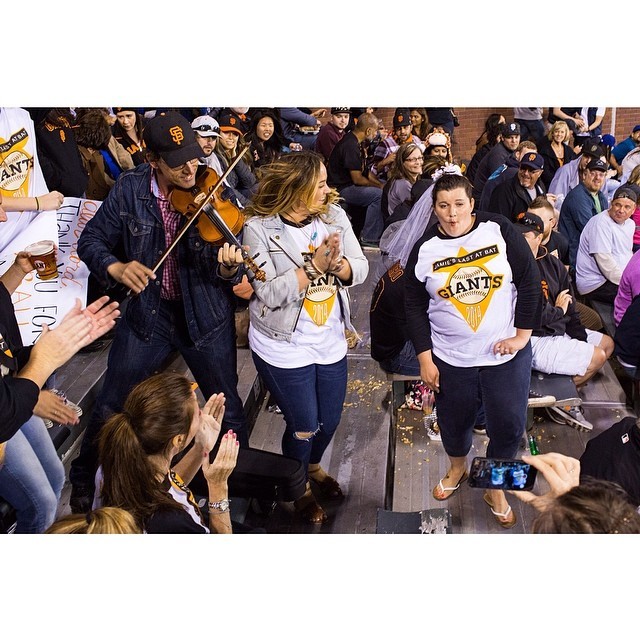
[442, 488]
[312, 513]
[505, 524]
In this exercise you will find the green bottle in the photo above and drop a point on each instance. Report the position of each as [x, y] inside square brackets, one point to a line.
[533, 447]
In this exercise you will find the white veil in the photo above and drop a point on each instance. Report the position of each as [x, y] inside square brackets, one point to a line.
[397, 241]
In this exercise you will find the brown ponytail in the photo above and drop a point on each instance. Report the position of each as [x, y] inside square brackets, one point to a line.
[156, 410]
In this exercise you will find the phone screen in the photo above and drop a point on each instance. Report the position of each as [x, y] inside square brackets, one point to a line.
[496, 473]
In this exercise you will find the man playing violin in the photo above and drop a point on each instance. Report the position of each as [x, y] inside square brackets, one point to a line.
[186, 305]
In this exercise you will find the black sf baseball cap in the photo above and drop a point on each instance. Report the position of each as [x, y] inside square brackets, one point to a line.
[171, 137]
[526, 222]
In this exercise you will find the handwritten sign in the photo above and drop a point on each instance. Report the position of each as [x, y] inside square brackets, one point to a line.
[39, 302]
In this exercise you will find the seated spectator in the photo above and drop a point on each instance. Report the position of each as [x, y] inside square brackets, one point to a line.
[627, 339]
[504, 172]
[103, 157]
[59, 155]
[138, 473]
[570, 174]
[105, 520]
[561, 345]
[31, 474]
[491, 135]
[555, 150]
[385, 153]
[605, 248]
[345, 173]
[628, 288]
[442, 117]
[629, 163]
[438, 144]
[516, 194]
[553, 242]
[127, 130]
[400, 213]
[230, 144]
[628, 144]
[498, 155]
[406, 169]
[331, 132]
[581, 204]
[266, 139]
[614, 455]
[420, 126]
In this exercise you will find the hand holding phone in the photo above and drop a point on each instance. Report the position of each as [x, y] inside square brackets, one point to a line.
[500, 473]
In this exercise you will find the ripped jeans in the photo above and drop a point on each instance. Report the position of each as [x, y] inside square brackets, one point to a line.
[311, 400]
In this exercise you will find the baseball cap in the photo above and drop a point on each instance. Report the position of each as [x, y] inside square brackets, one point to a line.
[526, 221]
[335, 110]
[206, 127]
[117, 110]
[597, 164]
[171, 137]
[229, 122]
[592, 149]
[533, 160]
[401, 118]
[636, 128]
[625, 192]
[511, 129]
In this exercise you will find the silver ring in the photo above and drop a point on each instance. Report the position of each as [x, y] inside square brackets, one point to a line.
[327, 252]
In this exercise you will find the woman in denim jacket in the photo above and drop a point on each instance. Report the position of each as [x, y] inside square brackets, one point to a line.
[300, 312]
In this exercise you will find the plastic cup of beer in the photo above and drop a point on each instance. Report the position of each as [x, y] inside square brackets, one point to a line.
[43, 259]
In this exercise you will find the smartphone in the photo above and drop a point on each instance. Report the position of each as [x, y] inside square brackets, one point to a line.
[497, 473]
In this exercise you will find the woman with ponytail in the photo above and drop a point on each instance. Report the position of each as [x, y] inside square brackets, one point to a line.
[138, 446]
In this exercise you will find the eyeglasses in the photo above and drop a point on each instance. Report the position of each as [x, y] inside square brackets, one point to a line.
[415, 159]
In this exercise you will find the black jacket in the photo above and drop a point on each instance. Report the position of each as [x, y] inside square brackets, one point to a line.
[511, 198]
[554, 278]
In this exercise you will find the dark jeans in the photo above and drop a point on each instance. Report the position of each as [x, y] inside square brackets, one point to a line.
[504, 389]
[132, 360]
[606, 292]
[369, 197]
[311, 400]
[531, 129]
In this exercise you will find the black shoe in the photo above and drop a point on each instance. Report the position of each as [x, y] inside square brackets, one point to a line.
[81, 499]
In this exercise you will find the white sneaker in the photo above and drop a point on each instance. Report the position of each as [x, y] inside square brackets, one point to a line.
[572, 416]
[538, 400]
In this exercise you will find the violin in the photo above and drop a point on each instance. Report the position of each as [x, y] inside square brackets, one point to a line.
[222, 221]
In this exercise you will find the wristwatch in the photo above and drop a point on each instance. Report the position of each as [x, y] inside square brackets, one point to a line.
[220, 505]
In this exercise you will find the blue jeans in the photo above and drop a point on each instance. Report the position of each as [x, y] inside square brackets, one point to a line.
[32, 477]
[405, 363]
[132, 360]
[370, 198]
[504, 390]
[311, 400]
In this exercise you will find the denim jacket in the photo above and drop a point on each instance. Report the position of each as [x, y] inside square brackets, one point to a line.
[128, 226]
[276, 305]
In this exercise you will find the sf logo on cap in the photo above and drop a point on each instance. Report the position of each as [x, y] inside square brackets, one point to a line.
[532, 157]
[176, 134]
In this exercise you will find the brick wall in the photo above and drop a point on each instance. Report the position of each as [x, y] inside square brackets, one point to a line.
[472, 121]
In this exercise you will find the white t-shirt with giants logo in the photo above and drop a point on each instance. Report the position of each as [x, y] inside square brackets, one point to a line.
[319, 334]
[473, 297]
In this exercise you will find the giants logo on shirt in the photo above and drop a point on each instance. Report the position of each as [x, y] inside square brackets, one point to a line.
[15, 164]
[470, 284]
